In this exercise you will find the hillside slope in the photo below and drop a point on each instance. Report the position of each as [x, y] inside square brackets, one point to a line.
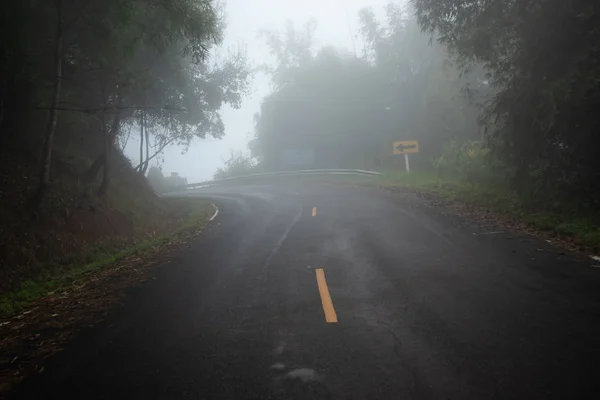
[73, 226]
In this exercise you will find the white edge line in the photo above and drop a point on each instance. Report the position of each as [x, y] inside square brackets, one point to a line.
[215, 214]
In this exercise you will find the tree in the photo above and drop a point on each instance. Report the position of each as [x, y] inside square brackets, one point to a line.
[292, 50]
[542, 59]
[237, 164]
[206, 87]
[157, 180]
[152, 73]
[162, 184]
[349, 110]
[113, 61]
[53, 117]
[425, 89]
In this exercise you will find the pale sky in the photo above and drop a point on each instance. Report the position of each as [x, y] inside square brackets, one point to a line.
[245, 18]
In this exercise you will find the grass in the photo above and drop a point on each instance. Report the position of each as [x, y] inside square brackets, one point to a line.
[60, 279]
[501, 200]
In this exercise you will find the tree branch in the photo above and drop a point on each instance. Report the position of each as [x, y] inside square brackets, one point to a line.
[168, 142]
[111, 108]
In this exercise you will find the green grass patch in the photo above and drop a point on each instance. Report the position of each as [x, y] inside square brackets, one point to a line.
[63, 276]
[501, 200]
[416, 179]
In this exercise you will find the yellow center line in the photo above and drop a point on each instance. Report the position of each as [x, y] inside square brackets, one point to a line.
[314, 212]
[330, 315]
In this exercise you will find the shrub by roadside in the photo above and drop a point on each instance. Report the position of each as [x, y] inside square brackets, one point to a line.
[580, 230]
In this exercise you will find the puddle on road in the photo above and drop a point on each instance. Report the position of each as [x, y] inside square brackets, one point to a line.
[304, 374]
[280, 347]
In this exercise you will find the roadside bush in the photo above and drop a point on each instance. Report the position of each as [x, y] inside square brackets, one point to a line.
[470, 162]
[238, 164]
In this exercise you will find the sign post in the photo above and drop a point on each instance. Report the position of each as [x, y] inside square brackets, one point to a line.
[406, 147]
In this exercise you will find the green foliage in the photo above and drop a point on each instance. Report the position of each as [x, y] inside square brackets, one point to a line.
[500, 199]
[542, 59]
[349, 109]
[162, 184]
[470, 162]
[122, 59]
[62, 279]
[192, 95]
[237, 164]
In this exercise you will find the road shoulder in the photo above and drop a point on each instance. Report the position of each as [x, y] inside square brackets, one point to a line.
[84, 298]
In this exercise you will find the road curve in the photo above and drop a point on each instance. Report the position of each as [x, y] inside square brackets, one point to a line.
[424, 309]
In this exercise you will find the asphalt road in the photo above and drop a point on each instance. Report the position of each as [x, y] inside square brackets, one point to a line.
[413, 305]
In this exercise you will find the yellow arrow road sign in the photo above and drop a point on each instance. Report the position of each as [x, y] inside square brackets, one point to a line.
[406, 146]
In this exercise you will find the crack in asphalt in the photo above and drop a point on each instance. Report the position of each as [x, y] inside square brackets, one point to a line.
[419, 386]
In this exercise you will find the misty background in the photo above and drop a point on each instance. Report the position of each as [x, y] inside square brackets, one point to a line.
[337, 24]
[502, 96]
[96, 94]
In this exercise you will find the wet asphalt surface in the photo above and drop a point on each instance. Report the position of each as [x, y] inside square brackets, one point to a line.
[427, 309]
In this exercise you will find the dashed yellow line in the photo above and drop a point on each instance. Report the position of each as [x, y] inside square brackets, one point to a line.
[314, 212]
[330, 315]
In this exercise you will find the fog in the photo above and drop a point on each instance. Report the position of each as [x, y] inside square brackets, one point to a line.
[368, 73]
[245, 19]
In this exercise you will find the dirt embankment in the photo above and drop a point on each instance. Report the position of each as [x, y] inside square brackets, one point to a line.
[73, 226]
[64, 265]
[44, 326]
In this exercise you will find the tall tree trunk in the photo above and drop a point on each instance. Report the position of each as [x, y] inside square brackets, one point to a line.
[123, 145]
[3, 91]
[8, 101]
[106, 171]
[13, 88]
[90, 174]
[147, 161]
[160, 149]
[51, 128]
[92, 171]
[141, 141]
[107, 144]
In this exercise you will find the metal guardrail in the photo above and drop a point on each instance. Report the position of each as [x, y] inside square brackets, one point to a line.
[306, 172]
